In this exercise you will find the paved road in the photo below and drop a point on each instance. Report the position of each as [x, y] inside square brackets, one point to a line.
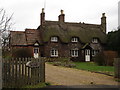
[69, 76]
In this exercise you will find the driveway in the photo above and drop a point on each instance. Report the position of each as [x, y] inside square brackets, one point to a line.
[58, 75]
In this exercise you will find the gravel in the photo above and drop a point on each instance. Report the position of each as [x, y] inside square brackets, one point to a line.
[58, 75]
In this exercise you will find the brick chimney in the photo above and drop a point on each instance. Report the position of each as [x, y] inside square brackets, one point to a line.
[103, 22]
[61, 17]
[42, 17]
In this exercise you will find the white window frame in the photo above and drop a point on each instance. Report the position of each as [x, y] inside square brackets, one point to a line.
[94, 40]
[94, 52]
[74, 39]
[54, 39]
[74, 53]
[36, 50]
[54, 53]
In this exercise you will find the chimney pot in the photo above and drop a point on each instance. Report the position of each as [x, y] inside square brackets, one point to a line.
[62, 11]
[61, 16]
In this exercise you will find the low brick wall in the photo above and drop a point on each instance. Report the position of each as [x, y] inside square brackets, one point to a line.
[117, 67]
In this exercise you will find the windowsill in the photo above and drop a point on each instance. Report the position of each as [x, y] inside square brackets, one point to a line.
[95, 43]
[54, 41]
[54, 56]
[74, 56]
[74, 42]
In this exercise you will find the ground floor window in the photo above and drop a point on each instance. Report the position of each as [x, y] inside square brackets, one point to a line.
[74, 53]
[54, 53]
[94, 52]
[36, 52]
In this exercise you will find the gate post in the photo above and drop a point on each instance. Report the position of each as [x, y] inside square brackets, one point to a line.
[117, 67]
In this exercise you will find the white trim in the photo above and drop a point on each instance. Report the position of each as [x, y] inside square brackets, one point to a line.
[36, 44]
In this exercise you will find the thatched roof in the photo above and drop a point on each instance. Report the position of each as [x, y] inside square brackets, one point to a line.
[65, 31]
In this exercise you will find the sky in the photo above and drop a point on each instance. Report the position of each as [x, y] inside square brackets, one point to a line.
[119, 15]
[26, 13]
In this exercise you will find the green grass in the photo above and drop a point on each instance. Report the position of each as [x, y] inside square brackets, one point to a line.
[91, 66]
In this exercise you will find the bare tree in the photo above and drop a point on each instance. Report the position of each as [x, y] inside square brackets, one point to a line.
[5, 26]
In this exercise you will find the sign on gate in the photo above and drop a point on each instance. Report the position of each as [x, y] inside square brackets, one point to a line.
[33, 64]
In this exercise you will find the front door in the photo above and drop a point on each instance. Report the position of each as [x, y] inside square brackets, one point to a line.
[36, 52]
[87, 55]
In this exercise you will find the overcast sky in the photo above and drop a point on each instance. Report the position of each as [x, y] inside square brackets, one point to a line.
[27, 12]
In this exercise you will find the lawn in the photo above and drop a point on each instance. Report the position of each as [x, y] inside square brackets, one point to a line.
[91, 66]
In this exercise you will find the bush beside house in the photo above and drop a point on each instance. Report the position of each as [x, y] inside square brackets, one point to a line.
[106, 58]
[21, 52]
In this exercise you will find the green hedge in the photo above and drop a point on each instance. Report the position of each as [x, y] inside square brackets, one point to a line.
[99, 59]
[21, 52]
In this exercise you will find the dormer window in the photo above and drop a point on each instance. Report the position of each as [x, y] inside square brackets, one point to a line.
[74, 39]
[54, 39]
[95, 40]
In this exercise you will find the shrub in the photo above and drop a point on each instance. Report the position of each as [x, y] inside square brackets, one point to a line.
[21, 52]
[109, 57]
[66, 64]
[57, 63]
[57, 59]
[99, 59]
[70, 65]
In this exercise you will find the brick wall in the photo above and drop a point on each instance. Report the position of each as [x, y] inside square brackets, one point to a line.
[63, 48]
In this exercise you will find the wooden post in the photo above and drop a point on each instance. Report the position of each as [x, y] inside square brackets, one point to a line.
[42, 70]
[117, 67]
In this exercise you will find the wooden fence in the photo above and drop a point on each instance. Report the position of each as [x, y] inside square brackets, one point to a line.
[17, 74]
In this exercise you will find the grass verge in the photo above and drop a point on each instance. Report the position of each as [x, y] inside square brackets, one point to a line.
[91, 66]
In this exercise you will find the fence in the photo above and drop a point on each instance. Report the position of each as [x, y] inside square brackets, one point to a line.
[117, 67]
[16, 73]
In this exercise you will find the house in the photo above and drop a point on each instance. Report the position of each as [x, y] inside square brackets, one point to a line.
[80, 41]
